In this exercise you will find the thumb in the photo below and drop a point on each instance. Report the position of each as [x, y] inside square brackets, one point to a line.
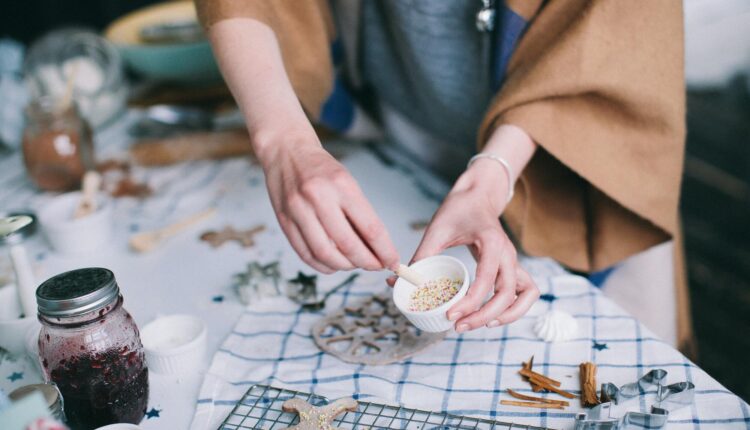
[431, 244]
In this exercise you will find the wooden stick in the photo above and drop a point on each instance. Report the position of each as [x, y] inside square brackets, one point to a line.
[587, 375]
[530, 404]
[537, 399]
[410, 275]
[533, 375]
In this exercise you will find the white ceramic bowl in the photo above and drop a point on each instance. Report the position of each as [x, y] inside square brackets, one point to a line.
[439, 266]
[13, 331]
[81, 236]
[175, 344]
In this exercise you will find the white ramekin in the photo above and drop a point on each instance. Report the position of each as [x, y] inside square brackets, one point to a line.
[174, 344]
[439, 266]
[70, 236]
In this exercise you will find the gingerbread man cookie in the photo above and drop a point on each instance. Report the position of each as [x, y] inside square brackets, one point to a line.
[317, 418]
[246, 238]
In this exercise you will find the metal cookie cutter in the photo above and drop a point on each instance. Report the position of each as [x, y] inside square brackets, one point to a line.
[610, 392]
[258, 281]
[668, 398]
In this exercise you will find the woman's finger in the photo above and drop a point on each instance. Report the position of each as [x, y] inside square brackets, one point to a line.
[484, 282]
[300, 247]
[346, 239]
[318, 242]
[369, 227]
[433, 243]
[508, 265]
[528, 293]
[486, 316]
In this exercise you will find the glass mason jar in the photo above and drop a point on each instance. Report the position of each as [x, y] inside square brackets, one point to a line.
[90, 347]
[57, 145]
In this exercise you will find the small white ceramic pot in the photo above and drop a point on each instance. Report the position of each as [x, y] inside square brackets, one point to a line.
[81, 236]
[439, 266]
[175, 344]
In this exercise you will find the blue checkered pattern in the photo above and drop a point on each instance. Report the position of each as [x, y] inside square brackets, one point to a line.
[465, 374]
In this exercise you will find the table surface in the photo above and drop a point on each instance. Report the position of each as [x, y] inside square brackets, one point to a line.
[270, 342]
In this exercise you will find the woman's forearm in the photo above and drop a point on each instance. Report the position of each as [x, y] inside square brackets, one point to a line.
[488, 177]
[512, 144]
[250, 59]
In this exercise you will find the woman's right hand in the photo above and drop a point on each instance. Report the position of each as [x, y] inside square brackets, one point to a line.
[322, 210]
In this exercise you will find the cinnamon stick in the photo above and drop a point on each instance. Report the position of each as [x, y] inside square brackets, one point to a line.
[530, 404]
[587, 374]
[537, 399]
[529, 366]
[534, 375]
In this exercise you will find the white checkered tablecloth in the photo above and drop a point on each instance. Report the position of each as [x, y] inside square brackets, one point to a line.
[464, 374]
[270, 342]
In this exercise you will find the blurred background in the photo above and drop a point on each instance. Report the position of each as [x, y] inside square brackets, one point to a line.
[716, 191]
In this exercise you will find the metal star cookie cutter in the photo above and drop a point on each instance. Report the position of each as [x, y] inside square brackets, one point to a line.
[302, 289]
[668, 399]
[257, 281]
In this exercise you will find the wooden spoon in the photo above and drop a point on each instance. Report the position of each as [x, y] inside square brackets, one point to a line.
[147, 241]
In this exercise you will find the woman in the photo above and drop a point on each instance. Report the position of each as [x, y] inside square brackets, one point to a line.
[577, 107]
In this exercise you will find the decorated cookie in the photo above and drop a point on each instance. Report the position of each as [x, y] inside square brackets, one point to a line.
[317, 417]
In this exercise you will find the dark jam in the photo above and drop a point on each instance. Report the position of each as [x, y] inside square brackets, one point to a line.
[103, 388]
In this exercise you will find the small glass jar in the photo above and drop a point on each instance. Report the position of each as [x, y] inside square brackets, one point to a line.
[90, 347]
[57, 145]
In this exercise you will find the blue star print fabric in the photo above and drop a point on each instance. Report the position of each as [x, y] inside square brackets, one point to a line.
[465, 374]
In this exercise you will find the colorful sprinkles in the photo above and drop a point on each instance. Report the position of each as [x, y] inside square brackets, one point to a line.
[433, 293]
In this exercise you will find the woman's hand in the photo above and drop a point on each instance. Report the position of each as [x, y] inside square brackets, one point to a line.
[470, 216]
[320, 207]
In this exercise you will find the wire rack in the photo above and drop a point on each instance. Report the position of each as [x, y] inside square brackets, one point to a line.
[260, 408]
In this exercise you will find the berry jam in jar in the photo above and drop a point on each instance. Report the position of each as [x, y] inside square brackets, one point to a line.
[90, 347]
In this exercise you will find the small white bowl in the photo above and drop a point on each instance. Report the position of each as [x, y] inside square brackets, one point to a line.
[439, 266]
[175, 344]
[70, 236]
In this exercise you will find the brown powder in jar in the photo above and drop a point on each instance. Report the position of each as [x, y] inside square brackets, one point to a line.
[53, 159]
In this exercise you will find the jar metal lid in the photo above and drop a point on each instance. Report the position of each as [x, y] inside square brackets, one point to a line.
[21, 234]
[51, 395]
[77, 292]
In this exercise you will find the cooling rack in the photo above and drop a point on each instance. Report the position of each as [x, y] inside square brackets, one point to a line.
[260, 408]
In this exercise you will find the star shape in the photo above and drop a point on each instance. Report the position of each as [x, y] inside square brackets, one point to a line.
[153, 413]
[304, 280]
[15, 376]
[548, 297]
[217, 299]
[303, 287]
[599, 346]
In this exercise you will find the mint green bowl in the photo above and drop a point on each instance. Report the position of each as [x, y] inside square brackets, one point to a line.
[191, 62]
[187, 62]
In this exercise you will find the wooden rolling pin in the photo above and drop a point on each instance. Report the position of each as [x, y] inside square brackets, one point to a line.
[191, 147]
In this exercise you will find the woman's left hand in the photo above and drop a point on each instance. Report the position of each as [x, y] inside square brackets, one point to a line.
[470, 216]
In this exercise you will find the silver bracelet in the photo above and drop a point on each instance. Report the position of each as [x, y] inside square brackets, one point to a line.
[506, 167]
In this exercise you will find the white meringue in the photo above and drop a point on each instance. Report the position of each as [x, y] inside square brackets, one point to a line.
[556, 326]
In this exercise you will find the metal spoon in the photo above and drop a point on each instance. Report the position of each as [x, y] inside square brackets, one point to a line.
[316, 306]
